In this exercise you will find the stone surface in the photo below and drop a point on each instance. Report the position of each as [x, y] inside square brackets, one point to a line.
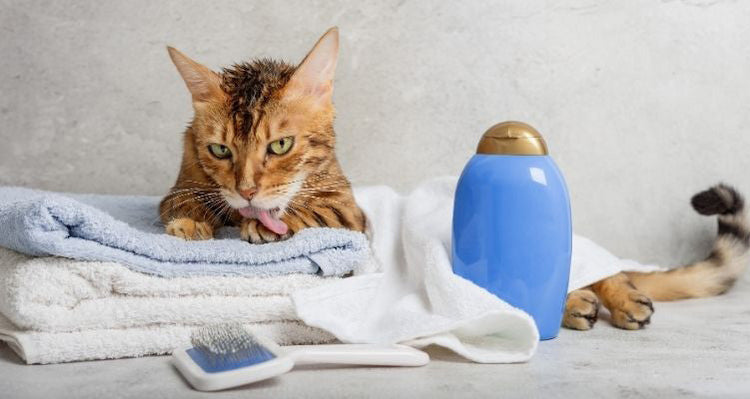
[642, 102]
[695, 348]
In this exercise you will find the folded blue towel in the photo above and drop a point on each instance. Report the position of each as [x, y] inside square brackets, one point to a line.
[126, 229]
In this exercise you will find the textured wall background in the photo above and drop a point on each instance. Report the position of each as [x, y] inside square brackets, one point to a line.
[642, 102]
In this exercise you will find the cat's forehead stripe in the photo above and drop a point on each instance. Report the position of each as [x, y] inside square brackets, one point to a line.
[251, 87]
[225, 132]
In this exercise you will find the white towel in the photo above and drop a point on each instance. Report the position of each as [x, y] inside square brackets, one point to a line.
[59, 309]
[59, 294]
[417, 300]
[42, 347]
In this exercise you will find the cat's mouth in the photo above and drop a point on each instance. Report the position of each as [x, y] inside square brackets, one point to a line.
[268, 217]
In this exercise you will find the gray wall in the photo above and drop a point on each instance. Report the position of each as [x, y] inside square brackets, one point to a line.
[642, 102]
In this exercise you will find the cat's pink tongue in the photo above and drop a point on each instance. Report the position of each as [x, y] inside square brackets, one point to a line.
[272, 223]
[264, 216]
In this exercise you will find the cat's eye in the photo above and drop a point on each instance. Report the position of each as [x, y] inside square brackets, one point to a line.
[220, 151]
[281, 146]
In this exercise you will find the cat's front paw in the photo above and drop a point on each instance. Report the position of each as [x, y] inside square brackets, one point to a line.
[581, 310]
[253, 231]
[632, 311]
[190, 229]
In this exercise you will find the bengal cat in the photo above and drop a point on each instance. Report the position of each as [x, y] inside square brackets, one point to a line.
[259, 152]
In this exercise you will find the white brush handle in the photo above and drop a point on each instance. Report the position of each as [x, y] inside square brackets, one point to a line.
[359, 354]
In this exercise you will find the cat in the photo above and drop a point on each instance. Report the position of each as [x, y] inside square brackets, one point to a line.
[259, 153]
[628, 296]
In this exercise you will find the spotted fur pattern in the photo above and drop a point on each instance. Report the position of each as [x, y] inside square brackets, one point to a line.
[246, 107]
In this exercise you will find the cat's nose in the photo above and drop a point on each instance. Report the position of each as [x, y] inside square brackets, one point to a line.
[248, 193]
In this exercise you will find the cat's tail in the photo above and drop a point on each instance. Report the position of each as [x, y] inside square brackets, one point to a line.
[723, 266]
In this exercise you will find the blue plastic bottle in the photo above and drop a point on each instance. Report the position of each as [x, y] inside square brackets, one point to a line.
[511, 224]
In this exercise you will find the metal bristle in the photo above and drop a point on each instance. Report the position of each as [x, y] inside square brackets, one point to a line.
[226, 342]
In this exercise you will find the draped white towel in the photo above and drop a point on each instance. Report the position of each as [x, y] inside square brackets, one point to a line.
[417, 300]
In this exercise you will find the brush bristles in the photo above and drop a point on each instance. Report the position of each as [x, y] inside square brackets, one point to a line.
[226, 343]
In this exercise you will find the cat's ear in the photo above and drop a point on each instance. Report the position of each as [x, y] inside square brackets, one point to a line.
[314, 75]
[203, 83]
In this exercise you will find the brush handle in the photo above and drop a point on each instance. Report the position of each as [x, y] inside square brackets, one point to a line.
[359, 354]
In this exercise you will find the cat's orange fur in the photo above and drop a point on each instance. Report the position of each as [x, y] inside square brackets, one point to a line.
[246, 108]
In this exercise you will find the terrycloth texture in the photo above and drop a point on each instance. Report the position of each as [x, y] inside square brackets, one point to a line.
[417, 300]
[67, 310]
[127, 230]
[40, 347]
[59, 294]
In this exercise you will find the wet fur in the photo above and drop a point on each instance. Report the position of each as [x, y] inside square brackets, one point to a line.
[246, 107]
[628, 296]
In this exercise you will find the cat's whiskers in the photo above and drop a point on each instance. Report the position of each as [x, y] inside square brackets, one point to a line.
[178, 189]
[337, 180]
[211, 211]
[311, 192]
[327, 190]
[189, 198]
[300, 198]
[331, 187]
[342, 182]
[308, 193]
[182, 202]
[180, 196]
[295, 205]
[221, 214]
[183, 197]
[319, 187]
[177, 196]
[311, 179]
[186, 191]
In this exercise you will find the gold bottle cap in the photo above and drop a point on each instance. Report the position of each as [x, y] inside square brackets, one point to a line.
[512, 138]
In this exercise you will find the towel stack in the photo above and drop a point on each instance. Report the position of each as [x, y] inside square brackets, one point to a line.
[99, 279]
[94, 277]
[59, 309]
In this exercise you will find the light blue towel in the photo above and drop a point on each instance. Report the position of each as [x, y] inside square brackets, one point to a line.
[126, 229]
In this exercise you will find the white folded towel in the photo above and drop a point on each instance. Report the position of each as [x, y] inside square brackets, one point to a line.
[59, 309]
[59, 294]
[418, 300]
[43, 347]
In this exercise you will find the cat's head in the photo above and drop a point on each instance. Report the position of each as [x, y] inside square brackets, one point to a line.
[261, 128]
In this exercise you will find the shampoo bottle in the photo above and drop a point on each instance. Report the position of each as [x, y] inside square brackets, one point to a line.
[512, 226]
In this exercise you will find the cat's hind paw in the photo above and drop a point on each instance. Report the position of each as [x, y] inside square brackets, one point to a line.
[581, 310]
[632, 311]
[190, 229]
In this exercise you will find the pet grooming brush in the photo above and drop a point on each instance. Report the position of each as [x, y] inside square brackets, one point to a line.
[226, 356]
